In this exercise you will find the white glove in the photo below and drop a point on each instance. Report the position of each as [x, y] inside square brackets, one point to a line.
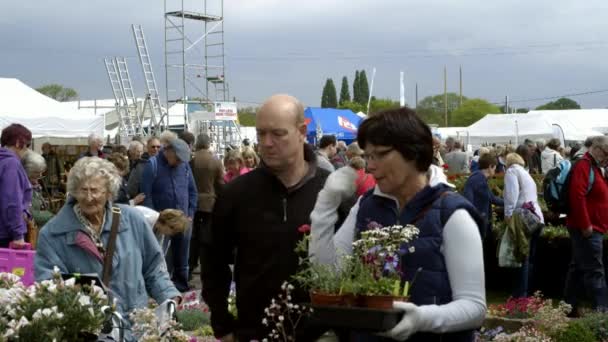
[409, 323]
[341, 183]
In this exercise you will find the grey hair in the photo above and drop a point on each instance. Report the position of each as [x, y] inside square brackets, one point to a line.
[599, 141]
[89, 167]
[33, 162]
[135, 145]
[166, 137]
[95, 138]
[540, 142]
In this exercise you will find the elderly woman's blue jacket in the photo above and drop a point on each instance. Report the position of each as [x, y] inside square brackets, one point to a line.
[138, 270]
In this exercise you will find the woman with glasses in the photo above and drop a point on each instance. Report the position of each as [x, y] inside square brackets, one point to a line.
[76, 239]
[447, 301]
[15, 188]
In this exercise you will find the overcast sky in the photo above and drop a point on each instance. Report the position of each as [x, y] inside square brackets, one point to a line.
[520, 48]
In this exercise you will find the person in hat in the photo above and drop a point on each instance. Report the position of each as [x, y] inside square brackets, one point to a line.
[168, 183]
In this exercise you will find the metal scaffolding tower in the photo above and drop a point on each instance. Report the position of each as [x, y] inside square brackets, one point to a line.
[194, 54]
[125, 102]
[152, 101]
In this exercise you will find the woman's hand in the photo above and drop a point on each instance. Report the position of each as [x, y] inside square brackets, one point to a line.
[139, 199]
[408, 324]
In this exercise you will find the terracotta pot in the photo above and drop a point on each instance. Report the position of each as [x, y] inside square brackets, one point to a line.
[377, 302]
[350, 299]
[326, 299]
[381, 301]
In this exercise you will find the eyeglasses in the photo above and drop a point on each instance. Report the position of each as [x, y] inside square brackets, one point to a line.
[377, 155]
[155, 146]
[94, 193]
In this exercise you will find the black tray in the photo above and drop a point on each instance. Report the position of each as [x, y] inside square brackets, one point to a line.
[356, 318]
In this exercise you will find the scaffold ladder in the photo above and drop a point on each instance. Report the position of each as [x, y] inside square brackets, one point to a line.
[152, 97]
[129, 101]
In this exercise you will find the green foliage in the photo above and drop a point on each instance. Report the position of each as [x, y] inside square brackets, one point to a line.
[357, 88]
[58, 92]
[355, 107]
[247, 116]
[378, 105]
[562, 103]
[597, 323]
[470, 111]
[431, 108]
[329, 98]
[192, 319]
[204, 331]
[575, 332]
[320, 278]
[364, 88]
[344, 92]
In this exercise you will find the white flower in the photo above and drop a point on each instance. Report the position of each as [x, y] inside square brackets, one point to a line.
[412, 249]
[70, 282]
[9, 333]
[265, 321]
[47, 312]
[56, 269]
[84, 300]
[281, 318]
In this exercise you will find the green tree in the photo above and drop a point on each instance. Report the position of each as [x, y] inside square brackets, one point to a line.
[377, 105]
[344, 91]
[247, 116]
[364, 88]
[471, 111]
[329, 99]
[522, 110]
[562, 103]
[431, 108]
[354, 106]
[58, 92]
[357, 88]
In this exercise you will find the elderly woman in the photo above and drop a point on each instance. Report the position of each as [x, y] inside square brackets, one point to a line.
[35, 165]
[448, 300]
[521, 192]
[76, 239]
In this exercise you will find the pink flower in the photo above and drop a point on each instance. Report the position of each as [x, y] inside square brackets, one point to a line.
[305, 228]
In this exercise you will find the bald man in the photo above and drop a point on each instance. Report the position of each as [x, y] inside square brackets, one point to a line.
[259, 214]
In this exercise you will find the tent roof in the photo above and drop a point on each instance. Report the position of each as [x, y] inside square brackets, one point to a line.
[504, 128]
[342, 123]
[44, 116]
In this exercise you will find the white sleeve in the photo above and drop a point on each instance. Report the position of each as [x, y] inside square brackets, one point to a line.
[149, 214]
[511, 192]
[463, 254]
[324, 245]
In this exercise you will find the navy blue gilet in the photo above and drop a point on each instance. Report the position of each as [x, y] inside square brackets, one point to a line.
[430, 210]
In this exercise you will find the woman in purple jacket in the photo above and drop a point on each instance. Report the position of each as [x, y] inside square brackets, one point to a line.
[15, 188]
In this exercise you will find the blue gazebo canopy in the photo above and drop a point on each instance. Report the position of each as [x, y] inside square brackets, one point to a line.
[342, 123]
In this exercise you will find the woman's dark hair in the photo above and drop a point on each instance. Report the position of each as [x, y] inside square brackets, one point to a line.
[487, 160]
[577, 147]
[403, 130]
[524, 151]
[14, 134]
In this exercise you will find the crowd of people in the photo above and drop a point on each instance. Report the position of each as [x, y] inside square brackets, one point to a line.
[176, 207]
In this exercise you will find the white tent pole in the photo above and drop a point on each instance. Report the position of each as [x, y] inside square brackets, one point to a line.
[371, 90]
[402, 91]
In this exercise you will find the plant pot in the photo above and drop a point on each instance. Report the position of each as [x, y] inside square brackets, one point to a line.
[350, 299]
[326, 299]
[377, 301]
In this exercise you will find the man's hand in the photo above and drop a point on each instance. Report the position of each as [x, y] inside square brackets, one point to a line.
[228, 338]
[587, 232]
[19, 242]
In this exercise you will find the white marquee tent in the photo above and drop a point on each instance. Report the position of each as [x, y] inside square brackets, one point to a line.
[48, 119]
[514, 128]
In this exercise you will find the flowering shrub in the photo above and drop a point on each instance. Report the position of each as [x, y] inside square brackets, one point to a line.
[50, 310]
[525, 334]
[524, 307]
[282, 317]
[147, 328]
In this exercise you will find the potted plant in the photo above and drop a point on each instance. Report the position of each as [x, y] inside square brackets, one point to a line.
[324, 283]
[379, 252]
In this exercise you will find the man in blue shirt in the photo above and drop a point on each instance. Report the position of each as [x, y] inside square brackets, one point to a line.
[168, 183]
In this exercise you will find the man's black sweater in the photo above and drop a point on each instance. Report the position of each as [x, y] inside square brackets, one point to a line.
[260, 217]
